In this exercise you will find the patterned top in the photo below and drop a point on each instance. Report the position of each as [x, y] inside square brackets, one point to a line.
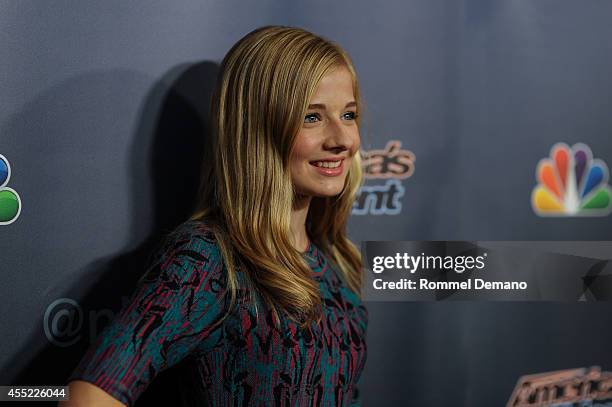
[245, 361]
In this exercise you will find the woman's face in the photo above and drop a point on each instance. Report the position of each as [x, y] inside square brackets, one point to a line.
[328, 139]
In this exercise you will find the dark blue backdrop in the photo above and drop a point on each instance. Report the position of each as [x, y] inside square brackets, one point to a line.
[101, 108]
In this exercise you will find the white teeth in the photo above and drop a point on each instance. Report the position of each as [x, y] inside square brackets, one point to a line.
[327, 164]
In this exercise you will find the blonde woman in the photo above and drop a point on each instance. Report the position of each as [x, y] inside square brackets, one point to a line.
[261, 286]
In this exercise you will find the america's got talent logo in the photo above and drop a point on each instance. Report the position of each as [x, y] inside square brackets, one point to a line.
[571, 183]
[10, 203]
[391, 164]
[582, 387]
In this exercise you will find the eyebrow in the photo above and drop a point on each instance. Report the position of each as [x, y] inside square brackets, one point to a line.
[322, 106]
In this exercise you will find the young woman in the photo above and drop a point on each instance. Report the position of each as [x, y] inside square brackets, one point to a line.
[261, 287]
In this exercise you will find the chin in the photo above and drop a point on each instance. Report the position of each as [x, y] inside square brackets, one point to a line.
[329, 193]
[316, 189]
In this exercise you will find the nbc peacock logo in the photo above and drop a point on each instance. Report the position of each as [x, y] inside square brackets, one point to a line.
[571, 183]
[10, 203]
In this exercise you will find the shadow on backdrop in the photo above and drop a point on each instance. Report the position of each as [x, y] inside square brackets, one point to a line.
[171, 136]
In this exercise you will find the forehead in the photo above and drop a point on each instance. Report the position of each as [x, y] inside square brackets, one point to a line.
[337, 84]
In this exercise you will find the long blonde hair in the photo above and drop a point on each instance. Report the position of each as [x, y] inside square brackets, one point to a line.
[262, 93]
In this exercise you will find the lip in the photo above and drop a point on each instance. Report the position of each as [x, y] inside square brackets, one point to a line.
[330, 172]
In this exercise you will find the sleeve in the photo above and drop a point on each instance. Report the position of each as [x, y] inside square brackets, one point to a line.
[167, 318]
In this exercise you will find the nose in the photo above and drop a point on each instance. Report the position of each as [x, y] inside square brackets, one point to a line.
[340, 136]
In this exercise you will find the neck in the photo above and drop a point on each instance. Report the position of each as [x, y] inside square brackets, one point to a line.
[299, 237]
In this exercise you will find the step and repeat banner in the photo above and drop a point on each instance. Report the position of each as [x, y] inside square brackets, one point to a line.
[484, 221]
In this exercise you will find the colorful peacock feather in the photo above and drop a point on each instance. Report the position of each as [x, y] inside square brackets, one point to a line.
[571, 183]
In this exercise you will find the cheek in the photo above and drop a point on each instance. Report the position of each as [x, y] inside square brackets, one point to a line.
[303, 151]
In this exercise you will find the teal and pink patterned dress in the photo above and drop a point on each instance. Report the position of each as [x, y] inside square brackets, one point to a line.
[245, 361]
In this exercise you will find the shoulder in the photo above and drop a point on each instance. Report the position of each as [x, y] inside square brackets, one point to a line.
[194, 235]
[193, 229]
[190, 247]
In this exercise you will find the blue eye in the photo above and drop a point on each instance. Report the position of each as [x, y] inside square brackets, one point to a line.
[351, 115]
[311, 118]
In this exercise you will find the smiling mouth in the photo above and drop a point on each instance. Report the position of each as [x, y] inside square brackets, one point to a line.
[326, 164]
[329, 168]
